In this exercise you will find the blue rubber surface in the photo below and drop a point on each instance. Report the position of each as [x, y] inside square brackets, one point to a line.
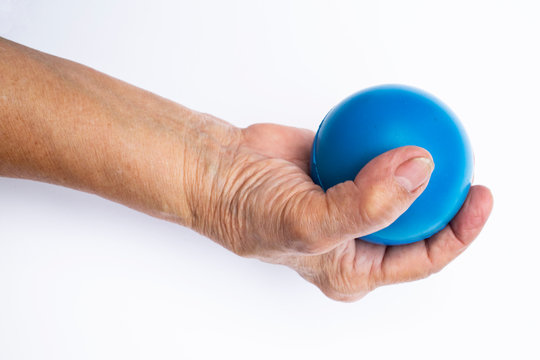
[382, 118]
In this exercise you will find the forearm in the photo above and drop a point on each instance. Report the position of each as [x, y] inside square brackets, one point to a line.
[66, 124]
[248, 189]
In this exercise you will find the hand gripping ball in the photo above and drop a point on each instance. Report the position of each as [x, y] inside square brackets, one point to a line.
[382, 118]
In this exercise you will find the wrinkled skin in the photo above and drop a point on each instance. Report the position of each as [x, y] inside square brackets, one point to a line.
[247, 189]
[269, 208]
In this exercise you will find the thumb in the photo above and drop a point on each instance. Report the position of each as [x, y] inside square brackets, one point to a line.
[382, 191]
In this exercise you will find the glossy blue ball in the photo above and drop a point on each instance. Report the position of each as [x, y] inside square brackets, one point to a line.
[382, 118]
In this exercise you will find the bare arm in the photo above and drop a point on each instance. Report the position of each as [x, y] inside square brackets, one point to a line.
[247, 189]
[64, 123]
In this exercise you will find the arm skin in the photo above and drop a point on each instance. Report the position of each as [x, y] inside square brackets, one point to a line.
[246, 188]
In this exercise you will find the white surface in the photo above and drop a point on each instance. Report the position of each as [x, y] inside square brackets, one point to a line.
[84, 278]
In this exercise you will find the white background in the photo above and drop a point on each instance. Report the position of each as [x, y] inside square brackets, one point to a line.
[85, 278]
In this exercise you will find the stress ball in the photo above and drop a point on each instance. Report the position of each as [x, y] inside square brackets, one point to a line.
[378, 119]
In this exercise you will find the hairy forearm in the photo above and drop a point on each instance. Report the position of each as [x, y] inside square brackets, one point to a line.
[67, 124]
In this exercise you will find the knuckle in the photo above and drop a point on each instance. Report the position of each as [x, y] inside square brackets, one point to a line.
[380, 205]
[344, 286]
[375, 204]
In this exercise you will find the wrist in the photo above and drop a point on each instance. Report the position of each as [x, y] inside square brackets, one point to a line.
[167, 161]
[211, 147]
[69, 125]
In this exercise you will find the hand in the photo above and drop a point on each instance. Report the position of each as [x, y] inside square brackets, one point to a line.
[248, 189]
[266, 206]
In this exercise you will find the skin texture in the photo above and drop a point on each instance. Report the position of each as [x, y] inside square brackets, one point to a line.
[248, 189]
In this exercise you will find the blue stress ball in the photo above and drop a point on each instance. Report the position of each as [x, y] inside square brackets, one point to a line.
[382, 118]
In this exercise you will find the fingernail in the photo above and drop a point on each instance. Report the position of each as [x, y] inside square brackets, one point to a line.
[414, 172]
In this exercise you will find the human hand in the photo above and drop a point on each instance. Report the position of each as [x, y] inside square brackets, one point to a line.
[264, 205]
[248, 189]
